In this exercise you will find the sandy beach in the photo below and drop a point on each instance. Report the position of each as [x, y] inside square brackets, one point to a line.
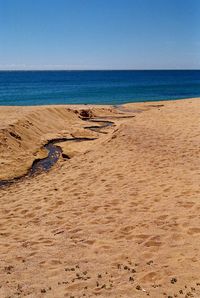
[117, 216]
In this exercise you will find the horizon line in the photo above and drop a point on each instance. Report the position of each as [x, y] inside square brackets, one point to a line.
[106, 69]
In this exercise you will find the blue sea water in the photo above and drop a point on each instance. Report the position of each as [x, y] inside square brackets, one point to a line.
[96, 87]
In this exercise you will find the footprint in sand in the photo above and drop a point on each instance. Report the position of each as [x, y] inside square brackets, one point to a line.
[153, 242]
[150, 277]
[193, 231]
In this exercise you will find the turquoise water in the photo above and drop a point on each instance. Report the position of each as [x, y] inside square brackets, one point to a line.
[97, 87]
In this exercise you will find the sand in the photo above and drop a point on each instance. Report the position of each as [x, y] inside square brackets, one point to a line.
[120, 218]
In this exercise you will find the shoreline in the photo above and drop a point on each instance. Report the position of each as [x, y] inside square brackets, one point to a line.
[98, 105]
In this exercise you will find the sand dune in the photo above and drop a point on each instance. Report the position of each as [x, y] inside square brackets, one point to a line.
[121, 218]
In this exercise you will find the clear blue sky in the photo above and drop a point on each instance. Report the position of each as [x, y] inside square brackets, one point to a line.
[99, 34]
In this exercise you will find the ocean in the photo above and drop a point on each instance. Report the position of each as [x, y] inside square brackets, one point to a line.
[96, 87]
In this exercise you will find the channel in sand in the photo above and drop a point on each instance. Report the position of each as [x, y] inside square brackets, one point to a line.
[55, 151]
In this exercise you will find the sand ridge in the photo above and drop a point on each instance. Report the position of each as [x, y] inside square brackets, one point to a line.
[120, 219]
[25, 130]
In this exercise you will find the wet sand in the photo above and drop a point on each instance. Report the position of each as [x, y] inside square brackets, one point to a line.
[120, 218]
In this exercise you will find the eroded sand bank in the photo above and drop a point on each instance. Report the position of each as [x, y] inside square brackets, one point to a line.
[121, 218]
